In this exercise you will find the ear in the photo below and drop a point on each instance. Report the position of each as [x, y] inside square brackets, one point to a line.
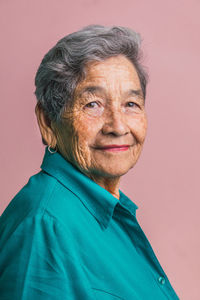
[45, 126]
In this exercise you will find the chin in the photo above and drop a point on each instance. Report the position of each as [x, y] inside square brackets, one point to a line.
[111, 172]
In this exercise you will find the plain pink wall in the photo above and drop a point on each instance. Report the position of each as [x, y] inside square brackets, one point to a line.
[165, 182]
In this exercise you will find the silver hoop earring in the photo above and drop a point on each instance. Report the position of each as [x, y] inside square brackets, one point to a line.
[52, 152]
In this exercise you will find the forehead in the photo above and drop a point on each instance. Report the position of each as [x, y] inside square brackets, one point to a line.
[115, 73]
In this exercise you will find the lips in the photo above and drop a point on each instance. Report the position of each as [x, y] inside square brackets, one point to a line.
[114, 148]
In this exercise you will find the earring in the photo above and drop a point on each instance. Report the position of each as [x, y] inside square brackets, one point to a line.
[52, 152]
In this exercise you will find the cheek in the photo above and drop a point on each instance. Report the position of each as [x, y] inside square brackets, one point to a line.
[139, 127]
[84, 136]
[64, 138]
[87, 130]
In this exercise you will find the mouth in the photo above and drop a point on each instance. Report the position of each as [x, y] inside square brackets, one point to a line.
[114, 148]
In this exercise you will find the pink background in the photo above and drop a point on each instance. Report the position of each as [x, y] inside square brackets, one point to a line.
[165, 182]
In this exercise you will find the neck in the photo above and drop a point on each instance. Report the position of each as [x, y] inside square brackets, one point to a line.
[109, 184]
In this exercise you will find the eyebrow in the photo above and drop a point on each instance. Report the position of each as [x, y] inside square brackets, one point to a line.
[91, 90]
[135, 93]
[95, 89]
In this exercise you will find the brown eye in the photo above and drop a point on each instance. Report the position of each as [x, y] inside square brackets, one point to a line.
[93, 108]
[92, 104]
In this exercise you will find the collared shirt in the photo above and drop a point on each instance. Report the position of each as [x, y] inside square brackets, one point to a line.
[65, 237]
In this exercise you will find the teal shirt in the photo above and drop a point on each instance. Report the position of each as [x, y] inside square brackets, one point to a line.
[65, 237]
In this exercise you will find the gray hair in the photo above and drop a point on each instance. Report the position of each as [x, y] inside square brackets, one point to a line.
[63, 66]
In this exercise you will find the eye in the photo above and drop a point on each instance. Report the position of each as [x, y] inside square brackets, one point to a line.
[132, 107]
[92, 104]
[132, 104]
[93, 108]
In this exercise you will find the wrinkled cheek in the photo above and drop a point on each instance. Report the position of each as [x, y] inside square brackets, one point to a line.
[137, 150]
[141, 129]
[85, 131]
[80, 150]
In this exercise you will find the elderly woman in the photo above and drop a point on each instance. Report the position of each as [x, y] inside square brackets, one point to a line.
[70, 233]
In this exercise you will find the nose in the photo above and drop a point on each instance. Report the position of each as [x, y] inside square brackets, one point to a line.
[115, 124]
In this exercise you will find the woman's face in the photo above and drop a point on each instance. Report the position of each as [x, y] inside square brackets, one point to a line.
[103, 133]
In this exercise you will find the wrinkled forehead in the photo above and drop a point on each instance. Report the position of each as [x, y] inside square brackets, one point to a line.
[113, 75]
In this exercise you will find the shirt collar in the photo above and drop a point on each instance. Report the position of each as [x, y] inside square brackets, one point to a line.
[98, 201]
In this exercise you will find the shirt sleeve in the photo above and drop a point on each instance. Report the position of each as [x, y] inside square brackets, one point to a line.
[37, 261]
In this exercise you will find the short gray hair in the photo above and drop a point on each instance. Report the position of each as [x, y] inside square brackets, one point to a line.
[63, 66]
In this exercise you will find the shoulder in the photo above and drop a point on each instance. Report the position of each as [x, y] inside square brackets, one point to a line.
[32, 197]
[42, 197]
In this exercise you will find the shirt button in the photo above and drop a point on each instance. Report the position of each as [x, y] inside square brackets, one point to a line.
[161, 280]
